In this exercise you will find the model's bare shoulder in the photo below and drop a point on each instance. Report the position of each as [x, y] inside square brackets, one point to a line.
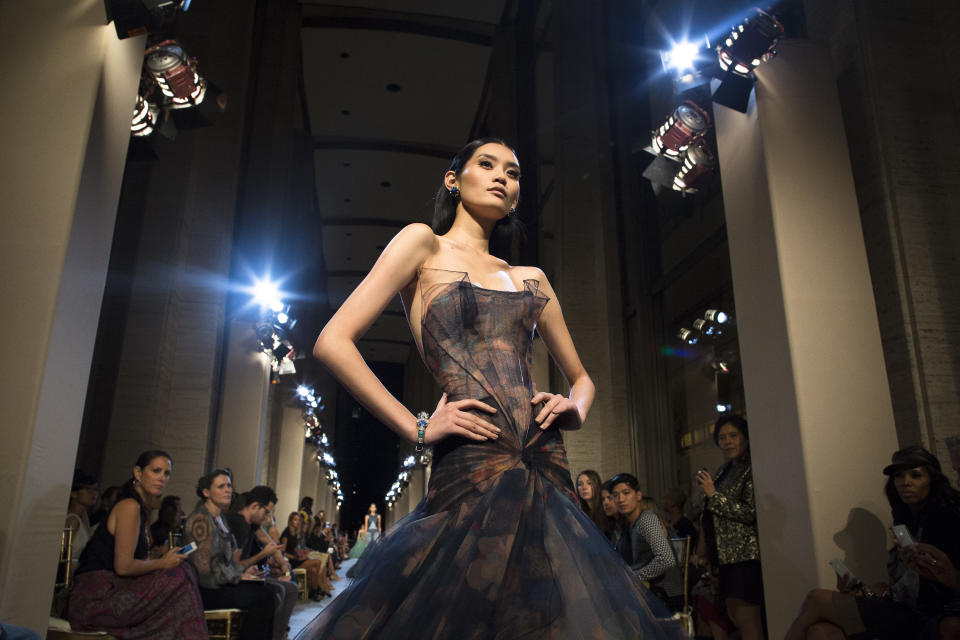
[519, 274]
[419, 234]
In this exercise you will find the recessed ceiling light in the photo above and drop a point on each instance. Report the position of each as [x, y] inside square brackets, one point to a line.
[349, 233]
[386, 183]
[346, 164]
[344, 54]
[346, 200]
[345, 112]
[393, 87]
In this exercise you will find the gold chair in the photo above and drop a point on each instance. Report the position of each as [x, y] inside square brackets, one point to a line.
[681, 550]
[62, 630]
[64, 560]
[300, 575]
[223, 624]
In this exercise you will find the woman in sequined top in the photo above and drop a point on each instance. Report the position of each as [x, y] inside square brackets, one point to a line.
[729, 525]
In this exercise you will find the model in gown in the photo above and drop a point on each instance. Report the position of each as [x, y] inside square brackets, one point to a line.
[498, 549]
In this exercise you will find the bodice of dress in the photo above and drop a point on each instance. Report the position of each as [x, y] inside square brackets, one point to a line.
[478, 343]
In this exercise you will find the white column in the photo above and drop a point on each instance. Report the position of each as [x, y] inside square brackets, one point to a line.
[290, 466]
[821, 420]
[242, 429]
[65, 136]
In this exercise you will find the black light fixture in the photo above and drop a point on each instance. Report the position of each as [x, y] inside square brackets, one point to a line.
[688, 122]
[748, 45]
[175, 73]
[137, 17]
[698, 162]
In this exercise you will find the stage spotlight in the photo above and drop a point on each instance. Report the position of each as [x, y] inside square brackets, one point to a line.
[688, 336]
[707, 328]
[698, 163]
[303, 390]
[145, 117]
[267, 294]
[176, 74]
[724, 408]
[713, 315]
[748, 45]
[680, 57]
[687, 123]
[136, 17]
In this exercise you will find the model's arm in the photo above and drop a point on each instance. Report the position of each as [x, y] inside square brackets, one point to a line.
[126, 534]
[567, 412]
[337, 349]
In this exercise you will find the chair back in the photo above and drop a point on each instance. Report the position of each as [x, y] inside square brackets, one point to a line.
[681, 550]
[64, 560]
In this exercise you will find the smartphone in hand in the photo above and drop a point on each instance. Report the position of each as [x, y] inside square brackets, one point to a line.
[902, 534]
[187, 550]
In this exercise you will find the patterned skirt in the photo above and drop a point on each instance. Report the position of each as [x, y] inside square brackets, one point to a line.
[160, 605]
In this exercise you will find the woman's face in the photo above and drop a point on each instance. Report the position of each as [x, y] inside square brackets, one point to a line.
[626, 499]
[489, 181]
[731, 441]
[294, 523]
[584, 487]
[155, 476]
[373, 508]
[86, 496]
[609, 506]
[220, 492]
[913, 485]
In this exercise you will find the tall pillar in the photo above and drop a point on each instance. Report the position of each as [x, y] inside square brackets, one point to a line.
[816, 389]
[242, 430]
[289, 471]
[586, 272]
[61, 173]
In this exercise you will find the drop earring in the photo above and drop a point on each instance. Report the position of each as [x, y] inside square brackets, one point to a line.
[513, 211]
[454, 193]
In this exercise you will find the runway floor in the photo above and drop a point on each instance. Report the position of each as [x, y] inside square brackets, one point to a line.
[306, 612]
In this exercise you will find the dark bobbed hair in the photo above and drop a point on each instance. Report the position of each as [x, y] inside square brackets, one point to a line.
[508, 233]
[738, 421]
[128, 489]
[942, 497]
[624, 478]
[82, 479]
[306, 503]
[206, 481]
[261, 494]
[168, 511]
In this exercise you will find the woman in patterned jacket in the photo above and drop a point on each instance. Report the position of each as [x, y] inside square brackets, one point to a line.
[729, 525]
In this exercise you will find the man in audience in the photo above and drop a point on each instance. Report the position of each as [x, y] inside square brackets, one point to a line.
[255, 545]
[644, 545]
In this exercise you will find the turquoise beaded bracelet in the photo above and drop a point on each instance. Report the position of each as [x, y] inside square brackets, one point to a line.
[422, 421]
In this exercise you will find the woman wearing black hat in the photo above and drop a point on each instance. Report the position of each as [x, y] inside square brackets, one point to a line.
[912, 605]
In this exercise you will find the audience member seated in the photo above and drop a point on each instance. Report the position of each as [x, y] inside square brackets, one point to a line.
[298, 556]
[224, 582]
[83, 497]
[108, 498]
[256, 547]
[169, 520]
[922, 500]
[613, 523]
[933, 564]
[673, 503]
[729, 540]
[588, 490]
[644, 545]
[117, 589]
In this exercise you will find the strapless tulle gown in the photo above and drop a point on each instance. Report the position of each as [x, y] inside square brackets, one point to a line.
[498, 548]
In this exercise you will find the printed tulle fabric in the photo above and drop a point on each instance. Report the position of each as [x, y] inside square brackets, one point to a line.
[498, 549]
